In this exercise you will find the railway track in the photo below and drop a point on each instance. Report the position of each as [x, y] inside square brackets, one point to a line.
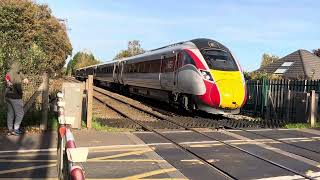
[156, 120]
[160, 121]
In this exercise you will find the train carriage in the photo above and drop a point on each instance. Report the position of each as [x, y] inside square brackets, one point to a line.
[197, 74]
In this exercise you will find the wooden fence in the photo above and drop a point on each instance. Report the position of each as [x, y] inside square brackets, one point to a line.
[279, 102]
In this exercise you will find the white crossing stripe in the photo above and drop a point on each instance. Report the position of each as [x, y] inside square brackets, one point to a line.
[291, 155]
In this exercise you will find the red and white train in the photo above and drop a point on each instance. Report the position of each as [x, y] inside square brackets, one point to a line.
[200, 74]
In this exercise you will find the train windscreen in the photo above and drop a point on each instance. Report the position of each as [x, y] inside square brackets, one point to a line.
[220, 60]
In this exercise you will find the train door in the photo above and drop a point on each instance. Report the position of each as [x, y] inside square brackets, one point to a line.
[115, 72]
[167, 74]
[94, 71]
[178, 65]
[120, 74]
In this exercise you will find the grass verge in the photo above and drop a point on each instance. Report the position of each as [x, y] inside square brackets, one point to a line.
[300, 125]
[98, 126]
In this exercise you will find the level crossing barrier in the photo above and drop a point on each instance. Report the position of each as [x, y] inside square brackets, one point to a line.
[69, 156]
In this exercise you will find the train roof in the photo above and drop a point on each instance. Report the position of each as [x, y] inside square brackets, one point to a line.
[200, 43]
[87, 67]
[203, 43]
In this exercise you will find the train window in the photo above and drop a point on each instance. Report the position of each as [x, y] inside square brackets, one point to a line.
[141, 70]
[134, 70]
[142, 67]
[163, 65]
[155, 66]
[220, 60]
[116, 70]
[145, 67]
[129, 68]
[148, 66]
[125, 68]
[186, 59]
[168, 64]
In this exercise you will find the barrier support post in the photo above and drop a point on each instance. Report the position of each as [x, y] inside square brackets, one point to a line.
[90, 99]
[313, 109]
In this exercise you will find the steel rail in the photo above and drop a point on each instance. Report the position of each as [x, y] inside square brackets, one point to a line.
[196, 131]
[203, 160]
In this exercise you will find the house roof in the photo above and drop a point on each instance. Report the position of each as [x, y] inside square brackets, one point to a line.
[300, 64]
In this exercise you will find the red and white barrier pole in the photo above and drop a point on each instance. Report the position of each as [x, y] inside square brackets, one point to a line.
[76, 172]
[70, 139]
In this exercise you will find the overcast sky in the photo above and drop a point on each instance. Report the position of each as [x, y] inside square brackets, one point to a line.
[248, 27]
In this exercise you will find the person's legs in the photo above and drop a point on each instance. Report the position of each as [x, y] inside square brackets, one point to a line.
[19, 112]
[10, 115]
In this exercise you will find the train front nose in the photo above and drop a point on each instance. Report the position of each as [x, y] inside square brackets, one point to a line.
[231, 93]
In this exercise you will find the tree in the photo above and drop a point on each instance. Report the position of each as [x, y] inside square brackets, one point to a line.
[316, 52]
[134, 48]
[260, 75]
[80, 60]
[246, 75]
[30, 34]
[268, 59]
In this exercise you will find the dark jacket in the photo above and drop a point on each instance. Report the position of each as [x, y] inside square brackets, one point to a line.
[15, 76]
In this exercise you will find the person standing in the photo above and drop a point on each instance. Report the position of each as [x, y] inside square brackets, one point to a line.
[13, 95]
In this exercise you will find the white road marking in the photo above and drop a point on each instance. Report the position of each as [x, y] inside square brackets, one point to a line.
[178, 131]
[50, 150]
[291, 155]
[315, 175]
[311, 131]
[29, 150]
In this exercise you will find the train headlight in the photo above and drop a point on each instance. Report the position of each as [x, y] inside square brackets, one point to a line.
[206, 75]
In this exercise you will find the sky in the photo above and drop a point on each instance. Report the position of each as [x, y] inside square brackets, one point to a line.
[248, 28]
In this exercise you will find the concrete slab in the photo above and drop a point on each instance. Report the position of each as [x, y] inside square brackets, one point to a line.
[147, 155]
[188, 165]
[315, 131]
[286, 159]
[111, 155]
[291, 138]
[228, 159]
[29, 141]
[281, 145]
[304, 133]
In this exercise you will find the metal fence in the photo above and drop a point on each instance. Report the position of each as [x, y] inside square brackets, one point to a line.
[279, 102]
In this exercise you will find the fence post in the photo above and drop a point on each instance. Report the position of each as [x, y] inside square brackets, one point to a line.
[313, 109]
[288, 104]
[45, 101]
[90, 98]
